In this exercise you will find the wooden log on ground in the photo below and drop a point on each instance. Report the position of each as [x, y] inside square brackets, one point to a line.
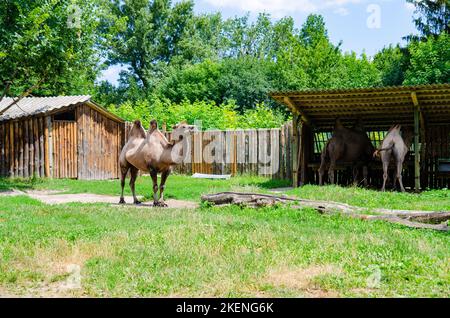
[412, 219]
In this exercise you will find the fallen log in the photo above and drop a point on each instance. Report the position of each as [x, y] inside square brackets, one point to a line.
[413, 219]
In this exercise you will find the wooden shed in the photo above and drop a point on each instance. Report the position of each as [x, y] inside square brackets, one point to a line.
[424, 107]
[59, 137]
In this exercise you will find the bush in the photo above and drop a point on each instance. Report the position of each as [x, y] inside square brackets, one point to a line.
[209, 114]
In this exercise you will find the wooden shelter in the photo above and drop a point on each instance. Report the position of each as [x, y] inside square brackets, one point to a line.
[425, 107]
[59, 137]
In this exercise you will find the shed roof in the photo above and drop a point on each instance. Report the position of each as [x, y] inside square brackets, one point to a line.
[378, 107]
[32, 106]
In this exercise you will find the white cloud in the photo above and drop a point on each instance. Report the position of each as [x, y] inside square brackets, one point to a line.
[342, 11]
[111, 74]
[281, 7]
[410, 6]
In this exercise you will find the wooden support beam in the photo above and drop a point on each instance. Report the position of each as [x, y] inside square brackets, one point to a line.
[416, 142]
[295, 150]
[49, 147]
[306, 144]
[288, 101]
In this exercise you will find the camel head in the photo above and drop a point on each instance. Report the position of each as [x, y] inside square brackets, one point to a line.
[182, 129]
[178, 145]
[185, 127]
[359, 125]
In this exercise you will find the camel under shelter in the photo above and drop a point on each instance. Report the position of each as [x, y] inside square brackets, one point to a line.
[426, 108]
[59, 137]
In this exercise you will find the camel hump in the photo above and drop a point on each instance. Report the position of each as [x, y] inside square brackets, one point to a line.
[137, 130]
[338, 124]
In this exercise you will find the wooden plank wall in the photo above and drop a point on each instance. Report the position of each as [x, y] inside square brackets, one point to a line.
[22, 148]
[99, 146]
[247, 151]
[437, 147]
[65, 163]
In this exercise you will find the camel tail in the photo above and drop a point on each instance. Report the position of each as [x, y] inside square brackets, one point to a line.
[377, 152]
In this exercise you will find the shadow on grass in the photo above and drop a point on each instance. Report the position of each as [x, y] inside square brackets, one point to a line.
[272, 184]
[8, 184]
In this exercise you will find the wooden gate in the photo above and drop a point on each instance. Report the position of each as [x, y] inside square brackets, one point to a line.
[65, 149]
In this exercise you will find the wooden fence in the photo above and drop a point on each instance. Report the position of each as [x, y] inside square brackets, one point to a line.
[23, 148]
[266, 152]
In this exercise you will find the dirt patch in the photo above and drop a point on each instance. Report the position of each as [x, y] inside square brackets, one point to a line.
[44, 192]
[281, 190]
[44, 290]
[62, 267]
[52, 197]
[301, 279]
[11, 193]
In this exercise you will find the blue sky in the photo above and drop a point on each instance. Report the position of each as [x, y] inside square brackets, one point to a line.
[362, 25]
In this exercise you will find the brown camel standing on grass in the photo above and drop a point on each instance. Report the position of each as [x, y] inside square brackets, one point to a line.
[394, 146]
[150, 152]
[348, 145]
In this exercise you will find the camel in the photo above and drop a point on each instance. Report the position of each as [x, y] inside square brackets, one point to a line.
[350, 145]
[394, 146]
[150, 152]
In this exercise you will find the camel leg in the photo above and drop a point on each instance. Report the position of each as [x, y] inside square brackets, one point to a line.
[355, 175]
[394, 187]
[134, 172]
[154, 176]
[399, 175]
[366, 175]
[385, 174]
[331, 171]
[123, 174]
[162, 186]
[322, 172]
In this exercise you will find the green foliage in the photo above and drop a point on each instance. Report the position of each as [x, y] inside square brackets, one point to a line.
[197, 82]
[148, 35]
[392, 62]
[193, 64]
[430, 61]
[309, 60]
[432, 17]
[261, 117]
[210, 115]
[40, 54]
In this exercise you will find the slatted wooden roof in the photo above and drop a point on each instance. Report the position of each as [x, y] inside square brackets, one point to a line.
[377, 107]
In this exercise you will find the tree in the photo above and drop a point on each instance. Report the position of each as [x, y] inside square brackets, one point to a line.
[355, 72]
[392, 62]
[147, 35]
[196, 82]
[430, 61]
[245, 80]
[432, 17]
[42, 53]
[313, 31]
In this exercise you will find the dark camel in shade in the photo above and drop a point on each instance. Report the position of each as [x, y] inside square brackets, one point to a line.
[347, 145]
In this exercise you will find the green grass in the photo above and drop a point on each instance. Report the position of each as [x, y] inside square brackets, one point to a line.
[177, 186]
[438, 200]
[227, 251]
